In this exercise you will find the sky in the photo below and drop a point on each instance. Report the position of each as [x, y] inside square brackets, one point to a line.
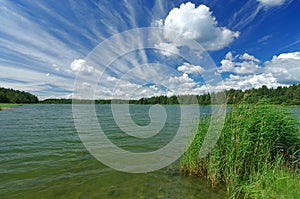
[139, 48]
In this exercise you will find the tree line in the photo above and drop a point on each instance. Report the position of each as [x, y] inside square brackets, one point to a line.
[8, 95]
[282, 95]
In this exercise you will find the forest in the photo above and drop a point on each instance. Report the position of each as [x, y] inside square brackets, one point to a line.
[16, 96]
[289, 95]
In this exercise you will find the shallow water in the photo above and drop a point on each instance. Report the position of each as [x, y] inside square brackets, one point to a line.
[43, 157]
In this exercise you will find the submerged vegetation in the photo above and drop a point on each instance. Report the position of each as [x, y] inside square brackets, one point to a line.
[254, 156]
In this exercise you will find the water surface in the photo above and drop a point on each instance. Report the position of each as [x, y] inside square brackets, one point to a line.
[43, 157]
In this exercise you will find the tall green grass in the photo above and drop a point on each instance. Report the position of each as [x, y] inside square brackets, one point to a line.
[254, 154]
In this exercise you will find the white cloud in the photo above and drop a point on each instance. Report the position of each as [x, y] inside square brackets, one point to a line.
[167, 48]
[181, 84]
[123, 90]
[229, 56]
[246, 56]
[184, 79]
[199, 24]
[158, 23]
[85, 84]
[250, 81]
[79, 65]
[264, 39]
[294, 55]
[285, 67]
[111, 79]
[271, 2]
[190, 69]
[241, 64]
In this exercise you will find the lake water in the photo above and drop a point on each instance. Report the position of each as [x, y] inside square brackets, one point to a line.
[42, 156]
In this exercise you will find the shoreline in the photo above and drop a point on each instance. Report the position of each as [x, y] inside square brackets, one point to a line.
[7, 106]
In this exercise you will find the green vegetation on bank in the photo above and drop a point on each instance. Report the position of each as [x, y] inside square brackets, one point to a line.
[4, 106]
[8, 105]
[279, 96]
[255, 154]
[16, 96]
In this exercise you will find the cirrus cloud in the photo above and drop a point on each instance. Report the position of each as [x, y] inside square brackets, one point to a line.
[271, 2]
[167, 49]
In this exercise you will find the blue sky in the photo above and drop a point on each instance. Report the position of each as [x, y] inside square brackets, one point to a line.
[53, 48]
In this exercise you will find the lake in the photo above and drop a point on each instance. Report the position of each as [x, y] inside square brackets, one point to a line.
[42, 156]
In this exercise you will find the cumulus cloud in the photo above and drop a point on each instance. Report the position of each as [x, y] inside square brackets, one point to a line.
[285, 67]
[79, 65]
[246, 56]
[229, 56]
[181, 84]
[271, 2]
[293, 55]
[190, 69]
[199, 24]
[111, 79]
[184, 79]
[250, 81]
[241, 64]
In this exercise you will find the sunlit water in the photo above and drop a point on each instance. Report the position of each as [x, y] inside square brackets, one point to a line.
[43, 157]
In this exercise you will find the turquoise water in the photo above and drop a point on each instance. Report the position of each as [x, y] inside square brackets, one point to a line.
[43, 157]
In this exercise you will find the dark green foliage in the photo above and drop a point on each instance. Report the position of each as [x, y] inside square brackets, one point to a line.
[16, 96]
[70, 101]
[256, 142]
[56, 101]
[281, 95]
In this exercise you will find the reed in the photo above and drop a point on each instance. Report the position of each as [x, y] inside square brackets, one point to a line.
[255, 150]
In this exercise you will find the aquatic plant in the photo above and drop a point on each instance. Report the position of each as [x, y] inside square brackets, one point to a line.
[255, 150]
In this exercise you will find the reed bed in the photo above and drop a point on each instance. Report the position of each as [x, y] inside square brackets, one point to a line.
[254, 156]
